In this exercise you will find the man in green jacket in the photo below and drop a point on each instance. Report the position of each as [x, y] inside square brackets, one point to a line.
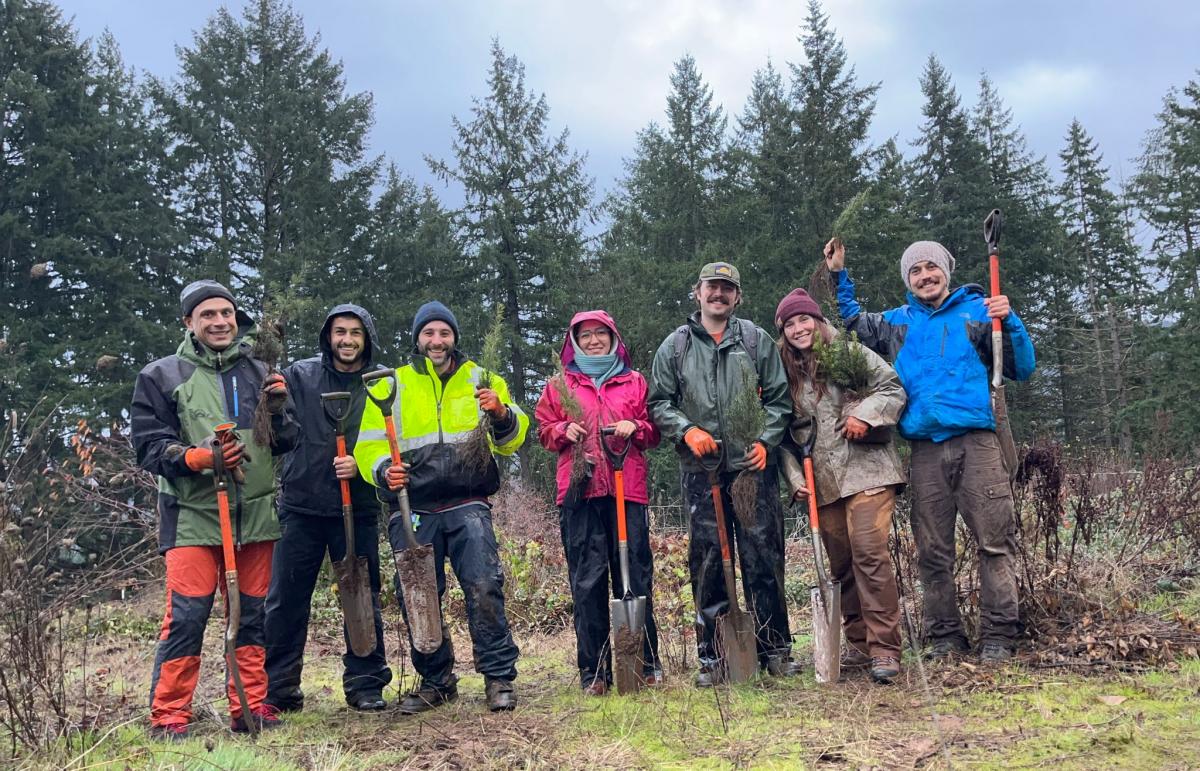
[212, 378]
[698, 371]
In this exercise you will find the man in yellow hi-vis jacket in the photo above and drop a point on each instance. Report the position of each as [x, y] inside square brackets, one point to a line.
[437, 405]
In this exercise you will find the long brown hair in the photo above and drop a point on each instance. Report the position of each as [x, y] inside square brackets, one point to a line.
[801, 366]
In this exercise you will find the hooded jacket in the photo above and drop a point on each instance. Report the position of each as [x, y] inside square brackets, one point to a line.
[712, 373]
[621, 397]
[177, 400]
[943, 357]
[308, 483]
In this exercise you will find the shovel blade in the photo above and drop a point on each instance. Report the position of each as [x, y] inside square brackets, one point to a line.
[418, 583]
[827, 632]
[736, 642]
[354, 592]
[1008, 447]
[627, 619]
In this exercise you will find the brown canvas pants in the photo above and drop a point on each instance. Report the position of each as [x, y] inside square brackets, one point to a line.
[965, 475]
[854, 530]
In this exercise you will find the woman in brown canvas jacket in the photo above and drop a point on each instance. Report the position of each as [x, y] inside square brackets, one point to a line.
[857, 473]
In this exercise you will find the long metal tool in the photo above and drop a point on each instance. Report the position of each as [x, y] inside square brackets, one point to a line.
[735, 628]
[351, 572]
[627, 616]
[414, 563]
[826, 597]
[992, 226]
[233, 592]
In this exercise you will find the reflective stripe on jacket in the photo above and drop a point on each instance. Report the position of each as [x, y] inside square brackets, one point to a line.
[432, 423]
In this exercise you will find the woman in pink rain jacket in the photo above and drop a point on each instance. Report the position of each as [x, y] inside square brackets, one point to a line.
[610, 394]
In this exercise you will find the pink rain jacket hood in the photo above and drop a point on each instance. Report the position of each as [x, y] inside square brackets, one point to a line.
[622, 397]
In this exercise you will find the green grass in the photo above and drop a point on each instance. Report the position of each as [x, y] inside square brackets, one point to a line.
[1009, 718]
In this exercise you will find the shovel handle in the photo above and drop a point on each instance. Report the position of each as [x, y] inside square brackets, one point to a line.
[619, 481]
[810, 483]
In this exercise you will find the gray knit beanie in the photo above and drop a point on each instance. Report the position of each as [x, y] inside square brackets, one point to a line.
[926, 251]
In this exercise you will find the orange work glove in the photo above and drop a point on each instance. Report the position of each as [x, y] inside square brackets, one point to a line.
[396, 476]
[700, 442]
[855, 429]
[274, 391]
[490, 403]
[201, 458]
[756, 457]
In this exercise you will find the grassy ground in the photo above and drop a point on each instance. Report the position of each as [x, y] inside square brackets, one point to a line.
[1012, 717]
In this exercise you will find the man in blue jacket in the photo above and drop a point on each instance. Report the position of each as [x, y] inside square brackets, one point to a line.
[310, 514]
[940, 343]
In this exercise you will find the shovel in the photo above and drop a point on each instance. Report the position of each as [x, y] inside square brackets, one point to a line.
[826, 597]
[735, 628]
[233, 592]
[414, 563]
[351, 572]
[992, 226]
[627, 616]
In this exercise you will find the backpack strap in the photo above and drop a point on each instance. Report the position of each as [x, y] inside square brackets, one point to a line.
[750, 339]
[682, 337]
[679, 345]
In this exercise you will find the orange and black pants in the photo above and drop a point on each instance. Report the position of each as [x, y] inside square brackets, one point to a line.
[194, 573]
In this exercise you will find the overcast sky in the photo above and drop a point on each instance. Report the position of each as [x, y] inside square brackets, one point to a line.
[604, 64]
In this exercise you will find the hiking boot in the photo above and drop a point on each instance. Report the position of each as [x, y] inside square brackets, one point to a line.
[654, 678]
[993, 652]
[501, 696]
[783, 665]
[367, 702]
[429, 696]
[170, 732]
[853, 658]
[265, 718]
[946, 647]
[595, 688]
[710, 676]
[287, 700]
[884, 669]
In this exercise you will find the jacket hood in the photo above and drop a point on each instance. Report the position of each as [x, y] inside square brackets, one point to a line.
[350, 309]
[567, 352]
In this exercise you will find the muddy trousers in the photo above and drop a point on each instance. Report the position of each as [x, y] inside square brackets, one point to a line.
[194, 574]
[589, 536]
[855, 532]
[299, 554]
[965, 475]
[759, 549]
[464, 535]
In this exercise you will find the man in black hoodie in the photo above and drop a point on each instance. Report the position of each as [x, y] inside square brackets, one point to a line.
[310, 514]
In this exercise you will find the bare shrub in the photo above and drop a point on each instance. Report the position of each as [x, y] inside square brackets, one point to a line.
[76, 527]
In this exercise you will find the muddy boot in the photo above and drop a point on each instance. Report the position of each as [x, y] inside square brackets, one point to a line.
[946, 648]
[367, 702]
[853, 658]
[500, 694]
[884, 669]
[782, 665]
[429, 696]
[994, 652]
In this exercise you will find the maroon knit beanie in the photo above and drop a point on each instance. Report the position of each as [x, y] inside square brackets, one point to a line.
[795, 302]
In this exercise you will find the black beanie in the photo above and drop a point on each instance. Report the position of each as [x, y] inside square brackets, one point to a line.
[433, 311]
[198, 291]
